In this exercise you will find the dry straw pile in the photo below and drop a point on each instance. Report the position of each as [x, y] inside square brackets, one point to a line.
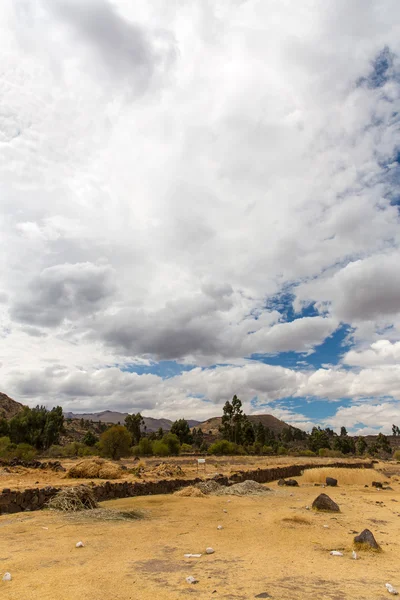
[95, 468]
[344, 476]
[74, 499]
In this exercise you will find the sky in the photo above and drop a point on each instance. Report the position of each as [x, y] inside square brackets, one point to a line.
[200, 199]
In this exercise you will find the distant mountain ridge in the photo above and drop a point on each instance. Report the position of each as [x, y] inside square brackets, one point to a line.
[211, 426]
[109, 416]
[9, 407]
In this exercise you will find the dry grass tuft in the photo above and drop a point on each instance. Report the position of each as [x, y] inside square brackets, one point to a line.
[106, 514]
[73, 499]
[95, 468]
[365, 548]
[344, 476]
[297, 520]
[190, 492]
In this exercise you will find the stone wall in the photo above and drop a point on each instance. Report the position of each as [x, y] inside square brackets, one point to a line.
[13, 501]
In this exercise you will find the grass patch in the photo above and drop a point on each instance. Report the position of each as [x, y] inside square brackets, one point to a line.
[344, 476]
[297, 520]
[107, 514]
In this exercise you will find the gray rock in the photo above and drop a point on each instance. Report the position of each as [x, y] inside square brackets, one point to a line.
[263, 595]
[331, 481]
[377, 484]
[366, 538]
[325, 503]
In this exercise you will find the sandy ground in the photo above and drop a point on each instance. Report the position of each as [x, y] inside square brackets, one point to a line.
[261, 549]
[21, 478]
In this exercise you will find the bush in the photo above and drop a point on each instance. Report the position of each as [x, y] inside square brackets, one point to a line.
[327, 453]
[186, 448]
[116, 442]
[222, 447]
[268, 450]
[172, 441]
[90, 439]
[282, 450]
[24, 452]
[5, 444]
[306, 452]
[396, 455]
[55, 451]
[160, 449]
[145, 447]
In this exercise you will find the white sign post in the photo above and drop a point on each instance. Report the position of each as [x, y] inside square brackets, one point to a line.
[201, 461]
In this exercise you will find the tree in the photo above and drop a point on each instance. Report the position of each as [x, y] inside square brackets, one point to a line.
[90, 439]
[260, 433]
[182, 430]
[4, 428]
[116, 442]
[233, 420]
[383, 443]
[361, 445]
[160, 433]
[172, 441]
[343, 431]
[198, 437]
[145, 447]
[38, 427]
[247, 435]
[319, 438]
[134, 423]
[395, 430]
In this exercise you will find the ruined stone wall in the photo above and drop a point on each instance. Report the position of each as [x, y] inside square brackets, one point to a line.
[13, 501]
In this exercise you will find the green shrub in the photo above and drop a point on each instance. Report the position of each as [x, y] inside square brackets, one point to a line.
[160, 449]
[135, 451]
[282, 450]
[186, 448]
[24, 452]
[396, 455]
[90, 439]
[116, 442]
[145, 447]
[327, 453]
[5, 446]
[222, 447]
[71, 449]
[172, 441]
[55, 451]
[268, 450]
[306, 452]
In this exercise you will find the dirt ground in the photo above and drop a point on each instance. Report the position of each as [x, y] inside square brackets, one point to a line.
[269, 545]
[21, 478]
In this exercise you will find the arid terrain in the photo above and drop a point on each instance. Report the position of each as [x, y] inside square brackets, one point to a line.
[270, 544]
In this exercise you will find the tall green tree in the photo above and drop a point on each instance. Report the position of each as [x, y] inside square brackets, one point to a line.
[38, 427]
[182, 430]
[134, 424]
[343, 431]
[319, 438]
[260, 433]
[233, 421]
[116, 442]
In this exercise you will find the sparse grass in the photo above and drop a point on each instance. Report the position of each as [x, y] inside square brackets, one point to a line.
[297, 520]
[106, 514]
[344, 476]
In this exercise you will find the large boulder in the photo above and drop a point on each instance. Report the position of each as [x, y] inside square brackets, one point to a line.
[331, 481]
[366, 540]
[325, 503]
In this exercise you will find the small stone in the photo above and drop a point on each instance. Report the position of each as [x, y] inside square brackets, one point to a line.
[281, 482]
[354, 555]
[191, 579]
[336, 553]
[80, 545]
[7, 577]
[291, 483]
[377, 484]
[325, 503]
[391, 589]
[367, 539]
[307, 507]
[331, 481]
[210, 550]
[219, 527]
[192, 555]
[224, 510]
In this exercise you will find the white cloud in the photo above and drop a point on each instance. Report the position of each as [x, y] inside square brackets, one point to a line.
[165, 170]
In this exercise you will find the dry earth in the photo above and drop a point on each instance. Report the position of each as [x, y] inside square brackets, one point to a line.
[270, 544]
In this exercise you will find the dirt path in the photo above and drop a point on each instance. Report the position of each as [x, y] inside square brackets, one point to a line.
[268, 544]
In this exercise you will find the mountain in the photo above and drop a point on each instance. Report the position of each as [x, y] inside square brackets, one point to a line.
[9, 407]
[109, 416]
[211, 426]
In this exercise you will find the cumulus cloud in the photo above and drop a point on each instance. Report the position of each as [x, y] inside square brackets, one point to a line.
[166, 172]
[67, 291]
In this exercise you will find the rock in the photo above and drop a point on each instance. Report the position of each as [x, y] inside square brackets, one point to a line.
[263, 595]
[354, 555]
[191, 579]
[366, 485]
[336, 553]
[324, 502]
[281, 482]
[219, 527]
[391, 589]
[7, 577]
[80, 545]
[192, 555]
[367, 539]
[377, 484]
[210, 550]
[291, 482]
[331, 481]
[388, 488]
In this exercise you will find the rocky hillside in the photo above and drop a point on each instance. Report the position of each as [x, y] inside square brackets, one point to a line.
[9, 407]
[109, 416]
[211, 426]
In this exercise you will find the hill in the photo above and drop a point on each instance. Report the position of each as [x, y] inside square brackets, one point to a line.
[9, 407]
[108, 416]
[211, 426]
